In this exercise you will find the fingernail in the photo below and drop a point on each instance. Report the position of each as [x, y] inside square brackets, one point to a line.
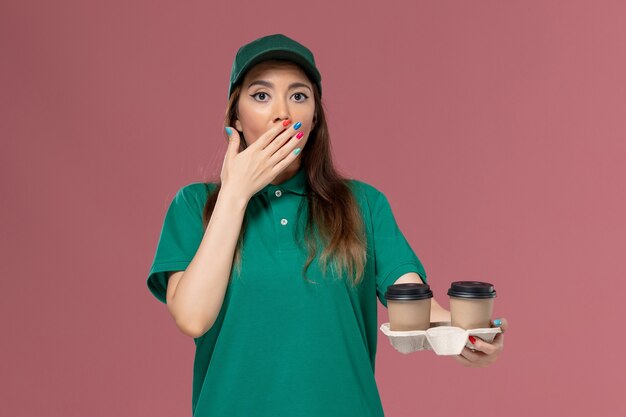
[228, 130]
[299, 135]
[297, 125]
[286, 122]
[472, 339]
[497, 322]
[296, 151]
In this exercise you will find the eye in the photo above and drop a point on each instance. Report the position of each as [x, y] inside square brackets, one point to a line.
[259, 94]
[301, 95]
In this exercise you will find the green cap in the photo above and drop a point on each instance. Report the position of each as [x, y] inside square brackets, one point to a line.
[275, 46]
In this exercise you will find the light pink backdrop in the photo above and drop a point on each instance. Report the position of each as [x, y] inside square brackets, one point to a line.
[496, 129]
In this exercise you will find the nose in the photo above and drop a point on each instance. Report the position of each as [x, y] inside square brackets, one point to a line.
[281, 110]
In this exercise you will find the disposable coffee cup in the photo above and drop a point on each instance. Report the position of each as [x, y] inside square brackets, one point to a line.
[471, 304]
[408, 306]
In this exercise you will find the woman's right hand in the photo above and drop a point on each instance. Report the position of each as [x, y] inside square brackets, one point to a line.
[247, 172]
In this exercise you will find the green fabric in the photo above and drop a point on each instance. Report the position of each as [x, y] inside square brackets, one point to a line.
[282, 346]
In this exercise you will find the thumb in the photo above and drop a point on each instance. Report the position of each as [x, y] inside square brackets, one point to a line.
[233, 141]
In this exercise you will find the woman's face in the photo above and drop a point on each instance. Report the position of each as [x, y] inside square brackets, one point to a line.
[270, 93]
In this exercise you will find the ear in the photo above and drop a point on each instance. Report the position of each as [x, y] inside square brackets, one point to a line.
[238, 125]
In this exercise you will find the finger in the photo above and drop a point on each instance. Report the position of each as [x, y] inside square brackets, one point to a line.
[284, 137]
[285, 150]
[502, 323]
[285, 159]
[483, 346]
[463, 361]
[498, 340]
[267, 137]
[233, 142]
[471, 356]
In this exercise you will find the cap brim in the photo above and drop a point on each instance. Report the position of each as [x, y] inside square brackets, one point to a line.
[288, 55]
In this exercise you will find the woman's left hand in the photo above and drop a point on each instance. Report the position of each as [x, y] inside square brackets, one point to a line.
[484, 354]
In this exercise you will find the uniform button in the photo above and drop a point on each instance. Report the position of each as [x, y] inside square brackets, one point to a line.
[283, 222]
[278, 193]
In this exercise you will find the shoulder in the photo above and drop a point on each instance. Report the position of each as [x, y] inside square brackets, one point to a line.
[366, 193]
[194, 195]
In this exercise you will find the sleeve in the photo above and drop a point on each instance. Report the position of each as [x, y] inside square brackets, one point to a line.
[394, 256]
[180, 238]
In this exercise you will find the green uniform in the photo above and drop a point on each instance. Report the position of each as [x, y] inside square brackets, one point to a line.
[282, 346]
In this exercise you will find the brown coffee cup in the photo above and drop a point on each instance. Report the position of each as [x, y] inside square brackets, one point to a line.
[471, 304]
[408, 305]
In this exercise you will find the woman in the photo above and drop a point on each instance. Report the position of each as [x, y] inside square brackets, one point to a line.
[282, 328]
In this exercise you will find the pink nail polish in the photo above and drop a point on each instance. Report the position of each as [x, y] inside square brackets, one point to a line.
[299, 135]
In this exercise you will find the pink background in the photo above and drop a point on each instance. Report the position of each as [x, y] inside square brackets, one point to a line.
[496, 129]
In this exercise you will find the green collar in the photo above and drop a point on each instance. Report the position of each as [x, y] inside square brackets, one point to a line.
[295, 184]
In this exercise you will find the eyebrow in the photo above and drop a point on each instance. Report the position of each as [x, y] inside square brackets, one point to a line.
[270, 85]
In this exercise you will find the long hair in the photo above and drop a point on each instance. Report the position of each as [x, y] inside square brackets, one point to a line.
[334, 220]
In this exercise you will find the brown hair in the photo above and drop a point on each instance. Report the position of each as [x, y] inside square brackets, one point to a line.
[333, 210]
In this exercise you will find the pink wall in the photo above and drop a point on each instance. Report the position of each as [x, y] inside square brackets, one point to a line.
[497, 130]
